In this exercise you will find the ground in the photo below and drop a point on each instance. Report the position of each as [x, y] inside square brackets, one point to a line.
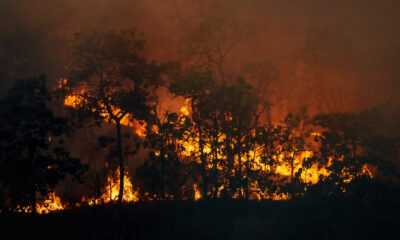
[222, 219]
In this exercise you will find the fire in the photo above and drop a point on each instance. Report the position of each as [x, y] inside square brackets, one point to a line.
[197, 193]
[111, 190]
[74, 100]
[310, 175]
[52, 203]
[185, 108]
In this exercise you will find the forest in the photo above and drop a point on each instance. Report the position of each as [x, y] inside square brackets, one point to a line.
[118, 125]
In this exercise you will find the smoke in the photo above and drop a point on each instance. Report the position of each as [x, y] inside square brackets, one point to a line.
[333, 55]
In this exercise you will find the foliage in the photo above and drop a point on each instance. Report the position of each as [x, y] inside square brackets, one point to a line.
[113, 83]
[33, 158]
[165, 172]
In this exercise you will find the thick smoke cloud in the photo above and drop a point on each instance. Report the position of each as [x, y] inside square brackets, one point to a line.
[332, 55]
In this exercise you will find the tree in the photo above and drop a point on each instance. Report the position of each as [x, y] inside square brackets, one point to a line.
[113, 82]
[223, 116]
[195, 84]
[33, 158]
[239, 122]
[354, 149]
[210, 43]
[261, 75]
[165, 171]
[292, 138]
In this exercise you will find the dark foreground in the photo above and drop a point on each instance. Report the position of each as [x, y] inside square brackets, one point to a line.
[234, 219]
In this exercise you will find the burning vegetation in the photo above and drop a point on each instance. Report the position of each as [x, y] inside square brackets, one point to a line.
[220, 144]
[210, 121]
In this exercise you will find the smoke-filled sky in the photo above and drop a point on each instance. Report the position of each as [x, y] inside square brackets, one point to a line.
[331, 55]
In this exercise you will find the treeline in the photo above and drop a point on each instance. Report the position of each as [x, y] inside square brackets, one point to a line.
[224, 146]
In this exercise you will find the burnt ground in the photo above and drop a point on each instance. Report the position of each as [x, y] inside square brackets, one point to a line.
[221, 219]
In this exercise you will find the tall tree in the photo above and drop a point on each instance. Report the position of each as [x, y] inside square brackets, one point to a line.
[223, 115]
[113, 82]
[165, 170]
[239, 122]
[261, 75]
[33, 158]
[195, 84]
[353, 147]
[210, 43]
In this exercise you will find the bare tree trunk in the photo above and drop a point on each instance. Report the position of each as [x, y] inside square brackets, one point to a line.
[240, 168]
[246, 183]
[292, 171]
[121, 163]
[203, 165]
[215, 166]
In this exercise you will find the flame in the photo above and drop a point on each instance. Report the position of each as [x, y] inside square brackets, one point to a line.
[111, 190]
[309, 175]
[191, 145]
[197, 193]
[52, 203]
[74, 100]
[185, 107]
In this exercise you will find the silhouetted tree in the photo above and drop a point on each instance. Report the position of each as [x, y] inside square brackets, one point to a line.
[239, 104]
[261, 75]
[354, 149]
[210, 43]
[195, 84]
[113, 82]
[33, 159]
[293, 136]
[224, 116]
[165, 170]
[267, 139]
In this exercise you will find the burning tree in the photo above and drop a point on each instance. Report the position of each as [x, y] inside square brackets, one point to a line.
[112, 82]
[354, 150]
[32, 158]
[224, 116]
[195, 84]
[165, 172]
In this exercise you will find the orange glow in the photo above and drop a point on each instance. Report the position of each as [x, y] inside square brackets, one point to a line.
[191, 145]
[111, 191]
[185, 108]
[53, 203]
[139, 126]
[197, 193]
[50, 204]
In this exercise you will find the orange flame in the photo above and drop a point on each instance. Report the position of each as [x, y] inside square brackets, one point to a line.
[53, 203]
[50, 204]
[75, 100]
[111, 191]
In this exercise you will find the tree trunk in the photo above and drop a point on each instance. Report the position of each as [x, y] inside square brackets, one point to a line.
[203, 165]
[121, 163]
[240, 168]
[246, 182]
[292, 171]
[215, 167]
